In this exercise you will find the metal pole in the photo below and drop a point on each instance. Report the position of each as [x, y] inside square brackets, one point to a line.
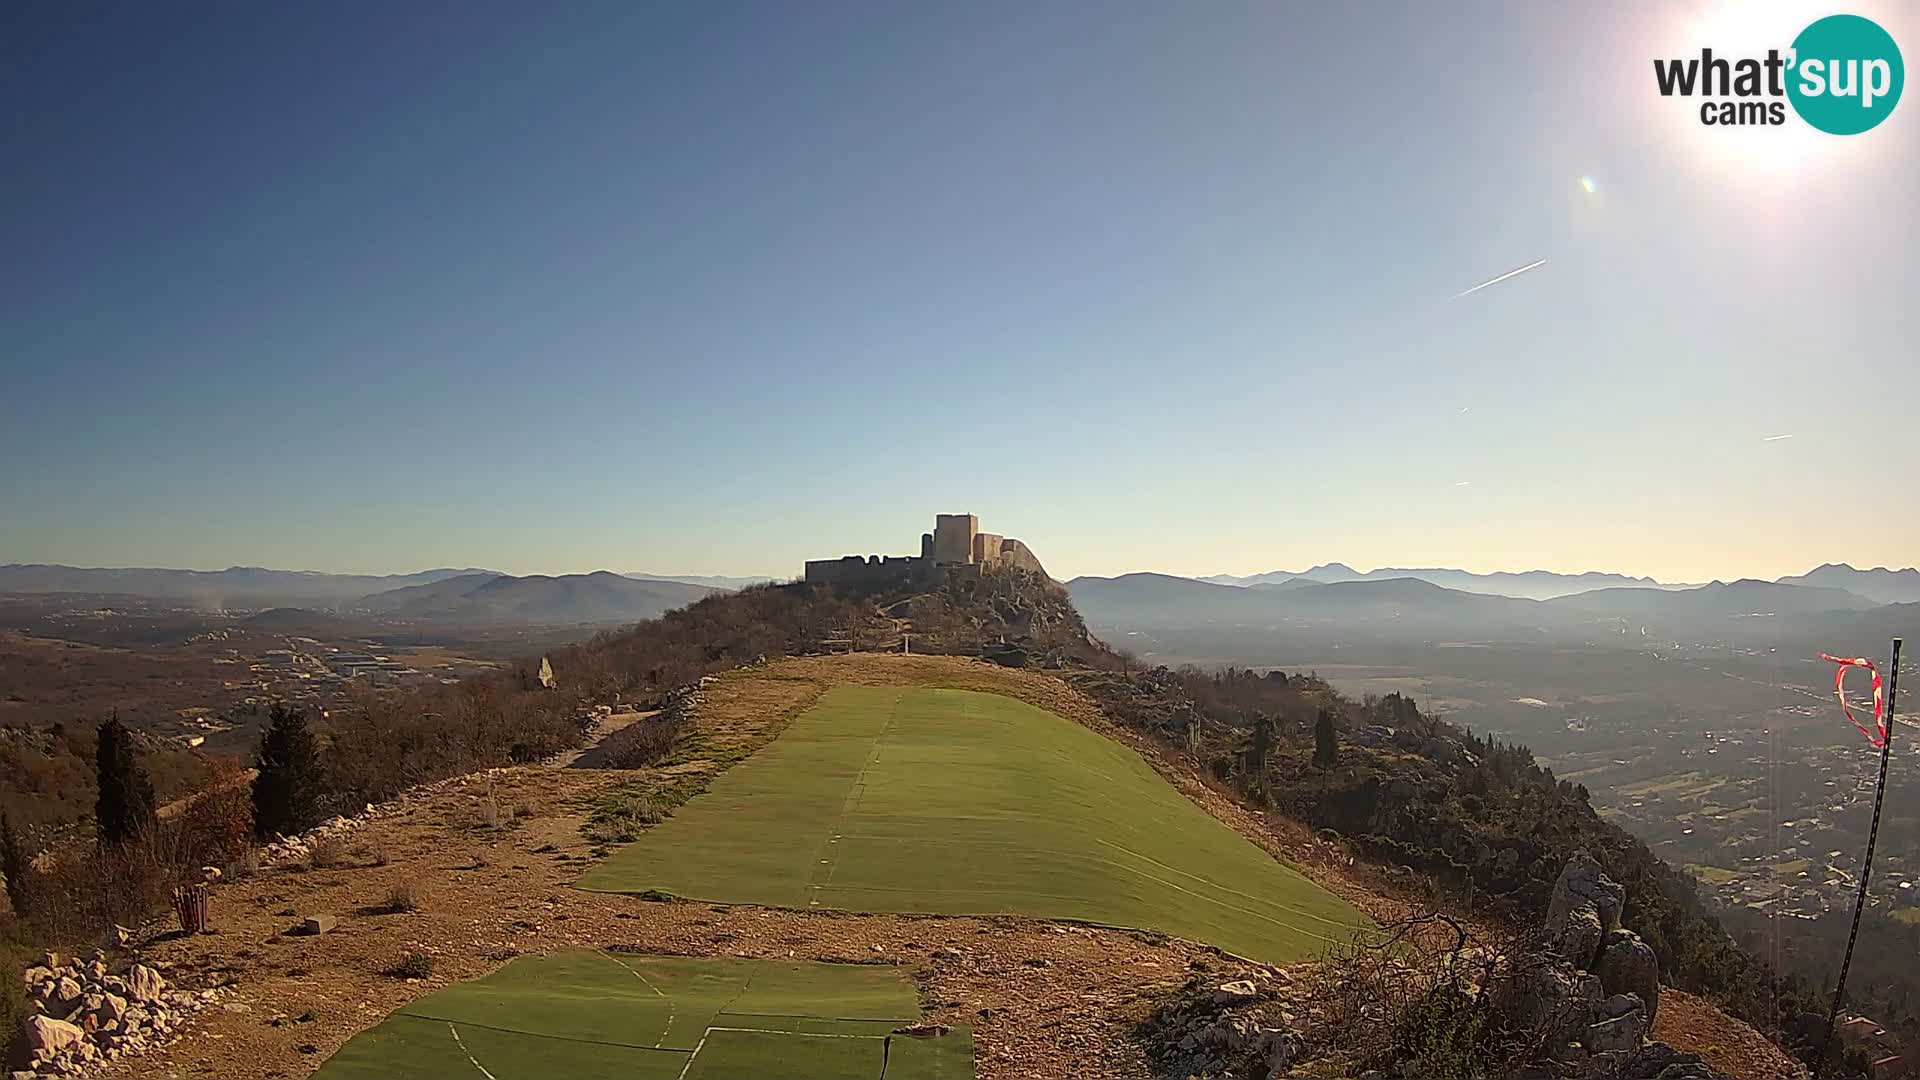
[1866, 867]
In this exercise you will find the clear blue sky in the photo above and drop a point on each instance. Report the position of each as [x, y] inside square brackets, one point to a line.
[722, 287]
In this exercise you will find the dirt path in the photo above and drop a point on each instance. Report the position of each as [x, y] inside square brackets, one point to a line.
[587, 757]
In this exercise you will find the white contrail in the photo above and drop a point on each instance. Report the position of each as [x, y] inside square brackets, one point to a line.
[1775, 438]
[1501, 278]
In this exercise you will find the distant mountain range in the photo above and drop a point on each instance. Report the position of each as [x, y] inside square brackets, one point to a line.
[1160, 601]
[603, 597]
[1528, 585]
[1412, 608]
[245, 587]
[1880, 585]
[469, 595]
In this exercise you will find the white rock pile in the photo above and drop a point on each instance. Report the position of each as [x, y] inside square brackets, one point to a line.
[86, 1013]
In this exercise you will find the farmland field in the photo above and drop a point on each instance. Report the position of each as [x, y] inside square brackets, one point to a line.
[962, 803]
[603, 1015]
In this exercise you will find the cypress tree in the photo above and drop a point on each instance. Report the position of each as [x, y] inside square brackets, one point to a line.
[288, 792]
[124, 808]
[1326, 740]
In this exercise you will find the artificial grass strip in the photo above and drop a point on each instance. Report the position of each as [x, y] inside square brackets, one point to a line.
[962, 803]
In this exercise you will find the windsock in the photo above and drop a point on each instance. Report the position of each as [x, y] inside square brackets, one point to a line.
[1878, 736]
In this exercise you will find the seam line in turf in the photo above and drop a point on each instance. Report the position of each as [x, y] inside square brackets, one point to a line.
[665, 1031]
[471, 1060]
[854, 795]
[541, 1034]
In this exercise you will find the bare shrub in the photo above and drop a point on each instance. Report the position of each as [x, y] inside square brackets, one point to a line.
[620, 817]
[488, 815]
[1419, 997]
[244, 865]
[406, 897]
[74, 897]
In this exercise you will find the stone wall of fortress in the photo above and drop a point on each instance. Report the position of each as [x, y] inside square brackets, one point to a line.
[956, 544]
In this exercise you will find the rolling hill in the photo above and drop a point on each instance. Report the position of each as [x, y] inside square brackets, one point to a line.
[711, 581]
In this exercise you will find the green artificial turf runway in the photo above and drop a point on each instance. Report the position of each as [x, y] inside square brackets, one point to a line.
[620, 1016]
[962, 803]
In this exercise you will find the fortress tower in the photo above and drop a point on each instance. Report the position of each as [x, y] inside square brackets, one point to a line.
[953, 536]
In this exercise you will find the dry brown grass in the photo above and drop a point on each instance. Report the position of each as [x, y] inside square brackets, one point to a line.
[328, 853]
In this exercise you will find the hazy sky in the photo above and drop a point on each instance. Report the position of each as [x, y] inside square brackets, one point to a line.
[721, 287]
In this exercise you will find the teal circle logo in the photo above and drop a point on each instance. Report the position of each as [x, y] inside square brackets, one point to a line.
[1847, 74]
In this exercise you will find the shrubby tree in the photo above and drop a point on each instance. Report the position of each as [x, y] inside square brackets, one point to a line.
[124, 808]
[290, 789]
[1263, 726]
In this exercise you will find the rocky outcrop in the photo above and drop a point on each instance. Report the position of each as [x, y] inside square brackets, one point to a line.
[85, 1014]
[1584, 912]
[1590, 991]
[1239, 1027]
[1627, 966]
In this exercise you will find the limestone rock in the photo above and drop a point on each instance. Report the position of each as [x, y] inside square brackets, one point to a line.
[1548, 994]
[1578, 936]
[1582, 880]
[65, 997]
[47, 1037]
[1627, 966]
[318, 924]
[145, 984]
[1237, 992]
[1620, 1033]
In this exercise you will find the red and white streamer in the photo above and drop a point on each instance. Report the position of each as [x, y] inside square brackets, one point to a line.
[1878, 737]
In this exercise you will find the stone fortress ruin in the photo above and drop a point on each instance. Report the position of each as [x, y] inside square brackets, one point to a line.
[956, 545]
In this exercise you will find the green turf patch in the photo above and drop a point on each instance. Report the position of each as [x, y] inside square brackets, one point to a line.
[408, 1047]
[766, 1055]
[949, 1057]
[621, 1016]
[962, 803]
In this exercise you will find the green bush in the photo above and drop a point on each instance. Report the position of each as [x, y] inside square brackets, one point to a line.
[1443, 1036]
